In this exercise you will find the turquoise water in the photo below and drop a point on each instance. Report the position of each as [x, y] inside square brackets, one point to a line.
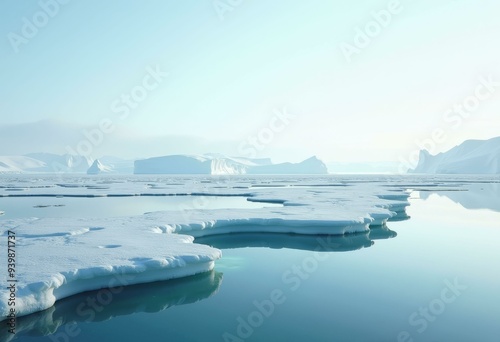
[433, 277]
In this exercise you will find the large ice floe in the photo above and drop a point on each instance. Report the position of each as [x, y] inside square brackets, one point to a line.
[57, 258]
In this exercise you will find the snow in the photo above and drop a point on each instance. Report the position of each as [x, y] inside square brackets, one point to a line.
[471, 157]
[221, 165]
[65, 256]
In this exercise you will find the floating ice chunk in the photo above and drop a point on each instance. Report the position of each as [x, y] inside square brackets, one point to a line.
[86, 256]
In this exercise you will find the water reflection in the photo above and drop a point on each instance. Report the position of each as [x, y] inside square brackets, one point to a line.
[327, 243]
[400, 216]
[382, 233]
[149, 298]
[476, 196]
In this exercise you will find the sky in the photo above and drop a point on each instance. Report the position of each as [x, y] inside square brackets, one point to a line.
[347, 81]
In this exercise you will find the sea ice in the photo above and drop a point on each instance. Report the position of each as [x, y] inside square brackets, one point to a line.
[62, 257]
[59, 258]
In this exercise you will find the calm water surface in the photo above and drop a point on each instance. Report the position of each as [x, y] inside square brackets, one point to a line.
[19, 207]
[437, 280]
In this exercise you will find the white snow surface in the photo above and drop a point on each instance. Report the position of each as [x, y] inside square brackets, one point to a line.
[471, 157]
[61, 257]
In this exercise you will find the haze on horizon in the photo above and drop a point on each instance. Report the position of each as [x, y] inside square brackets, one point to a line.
[214, 79]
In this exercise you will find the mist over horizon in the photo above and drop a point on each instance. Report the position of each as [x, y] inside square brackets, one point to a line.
[55, 136]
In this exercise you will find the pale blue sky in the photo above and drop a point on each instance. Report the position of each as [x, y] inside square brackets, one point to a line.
[227, 77]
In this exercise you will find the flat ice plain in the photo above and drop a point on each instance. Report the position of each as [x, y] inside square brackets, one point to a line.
[58, 257]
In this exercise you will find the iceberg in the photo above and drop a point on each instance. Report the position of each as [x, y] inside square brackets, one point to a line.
[471, 157]
[66, 163]
[59, 163]
[97, 168]
[309, 166]
[209, 164]
[221, 165]
[17, 164]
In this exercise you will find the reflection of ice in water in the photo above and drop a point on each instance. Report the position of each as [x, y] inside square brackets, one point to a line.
[476, 196]
[322, 243]
[106, 304]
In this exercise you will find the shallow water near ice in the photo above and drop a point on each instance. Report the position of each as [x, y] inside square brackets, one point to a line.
[19, 207]
[431, 277]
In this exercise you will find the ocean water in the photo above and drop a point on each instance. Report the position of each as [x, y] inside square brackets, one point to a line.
[432, 276]
[19, 207]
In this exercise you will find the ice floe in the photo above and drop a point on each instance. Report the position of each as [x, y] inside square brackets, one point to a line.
[59, 258]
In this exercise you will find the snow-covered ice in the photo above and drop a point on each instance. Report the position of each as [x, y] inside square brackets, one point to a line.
[59, 258]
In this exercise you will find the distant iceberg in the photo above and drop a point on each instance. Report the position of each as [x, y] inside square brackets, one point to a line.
[17, 164]
[221, 165]
[97, 168]
[471, 157]
[65, 163]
